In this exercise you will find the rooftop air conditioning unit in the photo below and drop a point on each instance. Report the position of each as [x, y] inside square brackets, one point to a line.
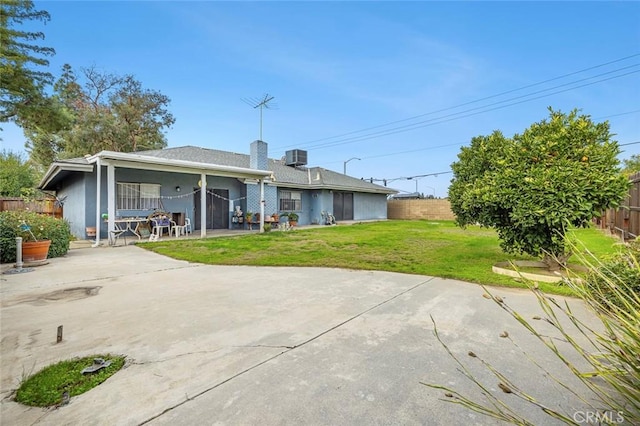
[296, 157]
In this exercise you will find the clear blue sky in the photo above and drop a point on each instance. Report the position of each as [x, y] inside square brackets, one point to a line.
[336, 68]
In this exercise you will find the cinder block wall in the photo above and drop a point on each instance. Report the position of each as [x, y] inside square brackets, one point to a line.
[420, 209]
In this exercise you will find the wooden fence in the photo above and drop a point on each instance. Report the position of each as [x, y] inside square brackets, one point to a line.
[44, 206]
[625, 221]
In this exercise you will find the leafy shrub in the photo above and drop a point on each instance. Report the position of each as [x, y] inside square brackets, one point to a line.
[43, 226]
[623, 267]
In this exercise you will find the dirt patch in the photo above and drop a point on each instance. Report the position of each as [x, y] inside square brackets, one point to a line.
[66, 294]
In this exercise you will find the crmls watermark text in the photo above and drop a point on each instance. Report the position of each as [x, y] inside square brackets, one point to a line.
[598, 417]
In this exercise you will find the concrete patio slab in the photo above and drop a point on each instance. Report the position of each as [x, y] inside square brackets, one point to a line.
[247, 345]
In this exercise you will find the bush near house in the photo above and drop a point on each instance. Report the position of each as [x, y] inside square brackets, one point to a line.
[49, 227]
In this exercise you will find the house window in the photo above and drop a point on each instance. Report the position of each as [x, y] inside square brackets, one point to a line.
[138, 196]
[290, 200]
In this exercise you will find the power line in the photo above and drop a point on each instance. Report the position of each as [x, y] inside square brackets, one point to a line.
[466, 103]
[618, 115]
[447, 118]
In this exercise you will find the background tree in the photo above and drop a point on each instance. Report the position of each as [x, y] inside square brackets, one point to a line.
[22, 78]
[100, 111]
[16, 174]
[558, 173]
[631, 165]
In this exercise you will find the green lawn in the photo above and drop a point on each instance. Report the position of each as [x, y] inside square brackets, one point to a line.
[435, 248]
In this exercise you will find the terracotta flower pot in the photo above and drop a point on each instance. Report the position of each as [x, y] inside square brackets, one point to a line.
[34, 251]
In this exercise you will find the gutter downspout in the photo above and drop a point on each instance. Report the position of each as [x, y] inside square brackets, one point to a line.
[111, 199]
[261, 205]
[98, 195]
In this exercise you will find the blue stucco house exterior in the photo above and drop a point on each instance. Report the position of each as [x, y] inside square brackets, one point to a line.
[206, 186]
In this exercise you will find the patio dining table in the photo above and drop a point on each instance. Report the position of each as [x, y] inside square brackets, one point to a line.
[131, 224]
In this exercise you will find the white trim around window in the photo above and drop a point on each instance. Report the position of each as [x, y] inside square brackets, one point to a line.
[137, 196]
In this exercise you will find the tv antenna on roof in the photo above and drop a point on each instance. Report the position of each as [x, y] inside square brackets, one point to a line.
[260, 103]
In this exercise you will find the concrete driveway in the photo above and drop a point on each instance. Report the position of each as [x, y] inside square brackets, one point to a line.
[249, 345]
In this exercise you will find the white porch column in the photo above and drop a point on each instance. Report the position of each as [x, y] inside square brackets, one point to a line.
[203, 205]
[98, 196]
[111, 197]
[261, 205]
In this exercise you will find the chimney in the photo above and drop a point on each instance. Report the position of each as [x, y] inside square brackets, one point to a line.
[259, 155]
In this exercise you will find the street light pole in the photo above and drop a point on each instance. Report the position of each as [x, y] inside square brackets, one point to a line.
[345, 164]
[433, 189]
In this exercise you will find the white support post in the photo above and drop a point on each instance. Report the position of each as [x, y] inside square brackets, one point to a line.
[261, 205]
[111, 198]
[98, 197]
[19, 253]
[203, 205]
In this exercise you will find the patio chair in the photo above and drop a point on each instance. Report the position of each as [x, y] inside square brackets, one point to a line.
[178, 229]
[187, 226]
[115, 235]
[159, 225]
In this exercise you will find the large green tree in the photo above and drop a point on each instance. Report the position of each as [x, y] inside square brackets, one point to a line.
[16, 175]
[559, 173]
[23, 72]
[99, 111]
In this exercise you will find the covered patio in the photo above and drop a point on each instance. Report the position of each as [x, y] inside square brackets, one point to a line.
[98, 182]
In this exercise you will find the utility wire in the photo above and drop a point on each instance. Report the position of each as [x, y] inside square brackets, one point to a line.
[462, 114]
[618, 115]
[389, 180]
[416, 125]
[466, 103]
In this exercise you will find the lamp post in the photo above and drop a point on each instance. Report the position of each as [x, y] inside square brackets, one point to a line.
[411, 178]
[345, 164]
[433, 189]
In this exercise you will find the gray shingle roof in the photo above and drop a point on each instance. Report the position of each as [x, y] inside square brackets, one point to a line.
[285, 176]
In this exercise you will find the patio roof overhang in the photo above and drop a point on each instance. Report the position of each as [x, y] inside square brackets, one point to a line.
[59, 169]
[136, 161]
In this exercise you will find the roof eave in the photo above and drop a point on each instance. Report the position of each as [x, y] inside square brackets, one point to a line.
[57, 167]
[335, 187]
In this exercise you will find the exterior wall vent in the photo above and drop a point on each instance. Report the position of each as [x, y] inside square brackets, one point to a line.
[296, 157]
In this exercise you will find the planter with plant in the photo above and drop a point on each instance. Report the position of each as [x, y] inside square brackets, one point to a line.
[293, 218]
[35, 230]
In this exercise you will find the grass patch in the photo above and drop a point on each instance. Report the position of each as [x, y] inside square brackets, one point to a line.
[434, 248]
[45, 388]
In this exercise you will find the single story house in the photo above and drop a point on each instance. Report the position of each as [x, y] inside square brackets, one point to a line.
[206, 186]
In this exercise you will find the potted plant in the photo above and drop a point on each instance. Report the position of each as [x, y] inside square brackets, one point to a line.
[35, 245]
[32, 227]
[293, 218]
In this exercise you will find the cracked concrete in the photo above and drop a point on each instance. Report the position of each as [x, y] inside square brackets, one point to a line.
[245, 345]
